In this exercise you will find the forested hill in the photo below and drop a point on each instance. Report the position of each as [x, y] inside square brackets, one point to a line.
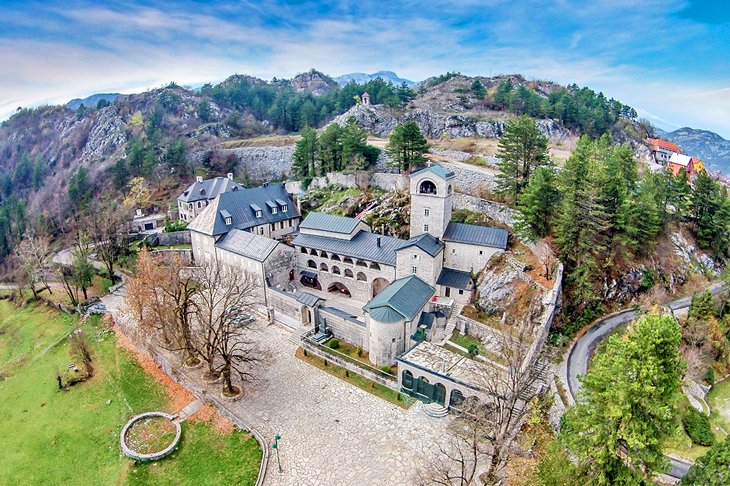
[49, 154]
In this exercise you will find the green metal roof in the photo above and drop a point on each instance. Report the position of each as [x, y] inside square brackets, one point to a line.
[437, 170]
[401, 300]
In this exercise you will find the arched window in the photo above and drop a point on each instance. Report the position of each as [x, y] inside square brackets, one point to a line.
[457, 398]
[311, 264]
[304, 250]
[335, 258]
[374, 266]
[323, 254]
[313, 252]
[361, 277]
[335, 269]
[407, 379]
[361, 263]
[323, 267]
[348, 273]
[449, 190]
[347, 260]
[427, 187]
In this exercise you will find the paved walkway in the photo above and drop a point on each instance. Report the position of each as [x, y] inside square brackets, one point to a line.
[332, 433]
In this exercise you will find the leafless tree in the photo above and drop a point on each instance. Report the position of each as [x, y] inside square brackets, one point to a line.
[222, 333]
[108, 222]
[493, 421]
[66, 275]
[161, 297]
[545, 256]
[34, 255]
[81, 349]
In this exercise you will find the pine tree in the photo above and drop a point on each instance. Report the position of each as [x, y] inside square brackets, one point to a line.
[306, 154]
[406, 147]
[712, 468]
[39, 173]
[538, 203]
[120, 175]
[522, 149]
[330, 149]
[628, 402]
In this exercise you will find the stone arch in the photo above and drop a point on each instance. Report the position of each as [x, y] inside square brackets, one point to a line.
[448, 191]
[374, 266]
[323, 267]
[348, 273]
[335, 269]
[335, 258]
[439, 393]
[378, 285]
[339, 288]
[407, 379]
[456, 398]
[323, 254]
[427, 187]
[362, 277]
[347, 260]
[361, 263]
[313, 252]
[311, 264]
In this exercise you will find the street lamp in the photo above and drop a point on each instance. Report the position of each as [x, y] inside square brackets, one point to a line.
[275, 446]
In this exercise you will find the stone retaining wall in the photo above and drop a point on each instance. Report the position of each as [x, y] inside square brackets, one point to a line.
[353, 332]
[498, 212]
[471, 181]
[174, 238]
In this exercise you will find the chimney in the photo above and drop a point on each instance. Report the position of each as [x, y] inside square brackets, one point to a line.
[139, 212]
[199, 178]
[378, 240]
[230, 175]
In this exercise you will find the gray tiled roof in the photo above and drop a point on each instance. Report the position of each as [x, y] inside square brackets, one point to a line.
[476, 235]
[208, 189]
[405, 296]
[437, 170]
[240, 204]
[247, 244]
[456, 279]
[307, 299]
[363, 245]
[329, 222]
[426, 242]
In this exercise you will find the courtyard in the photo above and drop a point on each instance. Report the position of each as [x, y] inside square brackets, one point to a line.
[332, 433]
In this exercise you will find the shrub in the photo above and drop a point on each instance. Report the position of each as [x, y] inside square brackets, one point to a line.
[710, 376]
[473, 350]
[359, 351]
[334, 343]
[697, 426]
[386, 369]
[174, 226]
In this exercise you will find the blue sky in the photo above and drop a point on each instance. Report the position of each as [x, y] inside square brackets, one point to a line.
[670, 59]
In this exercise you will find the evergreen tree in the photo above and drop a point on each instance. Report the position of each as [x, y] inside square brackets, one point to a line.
[330, 149]
[712, 468]
[355, 150]
[39, 173]
[538, 203]
[478, 89]
[306, 154]
[503, 93]
[711, 215]
[702, 307]
[627, 404]
[522, 149]
[680, 192]
[79, 189]
[406, 147]
[22, 176]
[120, 175]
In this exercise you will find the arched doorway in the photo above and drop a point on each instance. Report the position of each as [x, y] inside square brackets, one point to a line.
[339, 288]
[407, 379]
[456, 398]
[309, 279]
[306, 316]
[439, 393]
[378, 285]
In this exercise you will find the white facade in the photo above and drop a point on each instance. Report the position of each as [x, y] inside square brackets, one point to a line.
[414, 261]
[431, 202]
[466, 257]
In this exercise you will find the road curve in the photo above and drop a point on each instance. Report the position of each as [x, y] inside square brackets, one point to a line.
[580, 353]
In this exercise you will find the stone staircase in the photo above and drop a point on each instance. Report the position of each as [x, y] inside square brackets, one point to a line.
[435, 410]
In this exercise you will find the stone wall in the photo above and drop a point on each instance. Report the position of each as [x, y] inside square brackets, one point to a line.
[382, 180]
[284, 303]
[175, 238]
[350, 330]
[498, 212]
[551, 305]
[474, 182]
[263, 163]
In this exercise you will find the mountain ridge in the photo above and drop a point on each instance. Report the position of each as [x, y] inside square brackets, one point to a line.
[363, 78]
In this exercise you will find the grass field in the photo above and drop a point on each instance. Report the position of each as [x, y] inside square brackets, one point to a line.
[72, 437]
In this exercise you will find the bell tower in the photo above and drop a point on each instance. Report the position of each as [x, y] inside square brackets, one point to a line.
[432, 190]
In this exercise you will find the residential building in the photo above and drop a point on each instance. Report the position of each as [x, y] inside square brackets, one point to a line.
[692, 165]
[201, 193]
[662, 150]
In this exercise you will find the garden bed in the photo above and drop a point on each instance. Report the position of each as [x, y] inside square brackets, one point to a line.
[150, 436]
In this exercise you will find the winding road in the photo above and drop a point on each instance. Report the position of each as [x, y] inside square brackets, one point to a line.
[579, 356]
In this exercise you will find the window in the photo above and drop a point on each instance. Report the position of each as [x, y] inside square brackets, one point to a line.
[415, 257]
[290, 223]
[258, 213]
[348, 273]
[481, 252]
[461, 292]
[273, 226]
[304, 250]
[453, 251]
[425, 227]
[374, 266]
[336, 270]
[323, 267]
[414, 269]
[311, 264]
[199, 205]
[229, 221]
[347, 260]
[361, 277]
[284, 208]
[273, 210]
[427, 211]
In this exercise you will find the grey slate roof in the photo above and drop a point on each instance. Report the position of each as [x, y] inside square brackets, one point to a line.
[240, 205]
[426, 242]
[363, 245]
[208, 189]
[476, 235]
[308, 299]
[456, 279]
[437, 170]
[401, 300]
[249, 245]
[329, 222]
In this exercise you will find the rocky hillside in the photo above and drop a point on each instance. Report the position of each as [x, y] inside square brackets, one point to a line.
[709, 146]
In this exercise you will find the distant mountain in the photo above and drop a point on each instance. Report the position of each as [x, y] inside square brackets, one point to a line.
[364, 78]
[708, 146]
[91, 101]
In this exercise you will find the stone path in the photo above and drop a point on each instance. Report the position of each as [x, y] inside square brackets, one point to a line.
[188, 410]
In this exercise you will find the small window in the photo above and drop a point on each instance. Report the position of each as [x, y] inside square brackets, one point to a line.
[425, 227]
[258, 213]
[273, 210]
[453, 251]
[393, 340]
[461, 292]
[481, 252]
[414, 269]
[348, 273]
[284, 208]
[290, 223]
[273, 226]
[415, 257]
[229, 221]
[427, 211]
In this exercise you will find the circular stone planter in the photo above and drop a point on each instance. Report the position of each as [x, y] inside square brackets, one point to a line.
[152, 456]
[232, 398]
[194, 365]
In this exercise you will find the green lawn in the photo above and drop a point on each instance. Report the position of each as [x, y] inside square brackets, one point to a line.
[72, 437]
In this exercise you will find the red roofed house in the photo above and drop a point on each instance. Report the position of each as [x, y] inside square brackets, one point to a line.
[662, 150]
[692, 165]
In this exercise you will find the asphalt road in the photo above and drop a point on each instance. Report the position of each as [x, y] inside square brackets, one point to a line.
[580, 354]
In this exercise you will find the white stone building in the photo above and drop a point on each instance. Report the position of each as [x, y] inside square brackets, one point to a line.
[201, 193]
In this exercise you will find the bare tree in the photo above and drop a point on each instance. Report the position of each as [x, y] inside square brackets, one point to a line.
[34, 255]
[108, 222]
[545, 257]
[81, 349]
[494, 420]
[65, 273]
[223, 331]
[161, 296]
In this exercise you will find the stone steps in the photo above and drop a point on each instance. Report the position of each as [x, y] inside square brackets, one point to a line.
[435, 410]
